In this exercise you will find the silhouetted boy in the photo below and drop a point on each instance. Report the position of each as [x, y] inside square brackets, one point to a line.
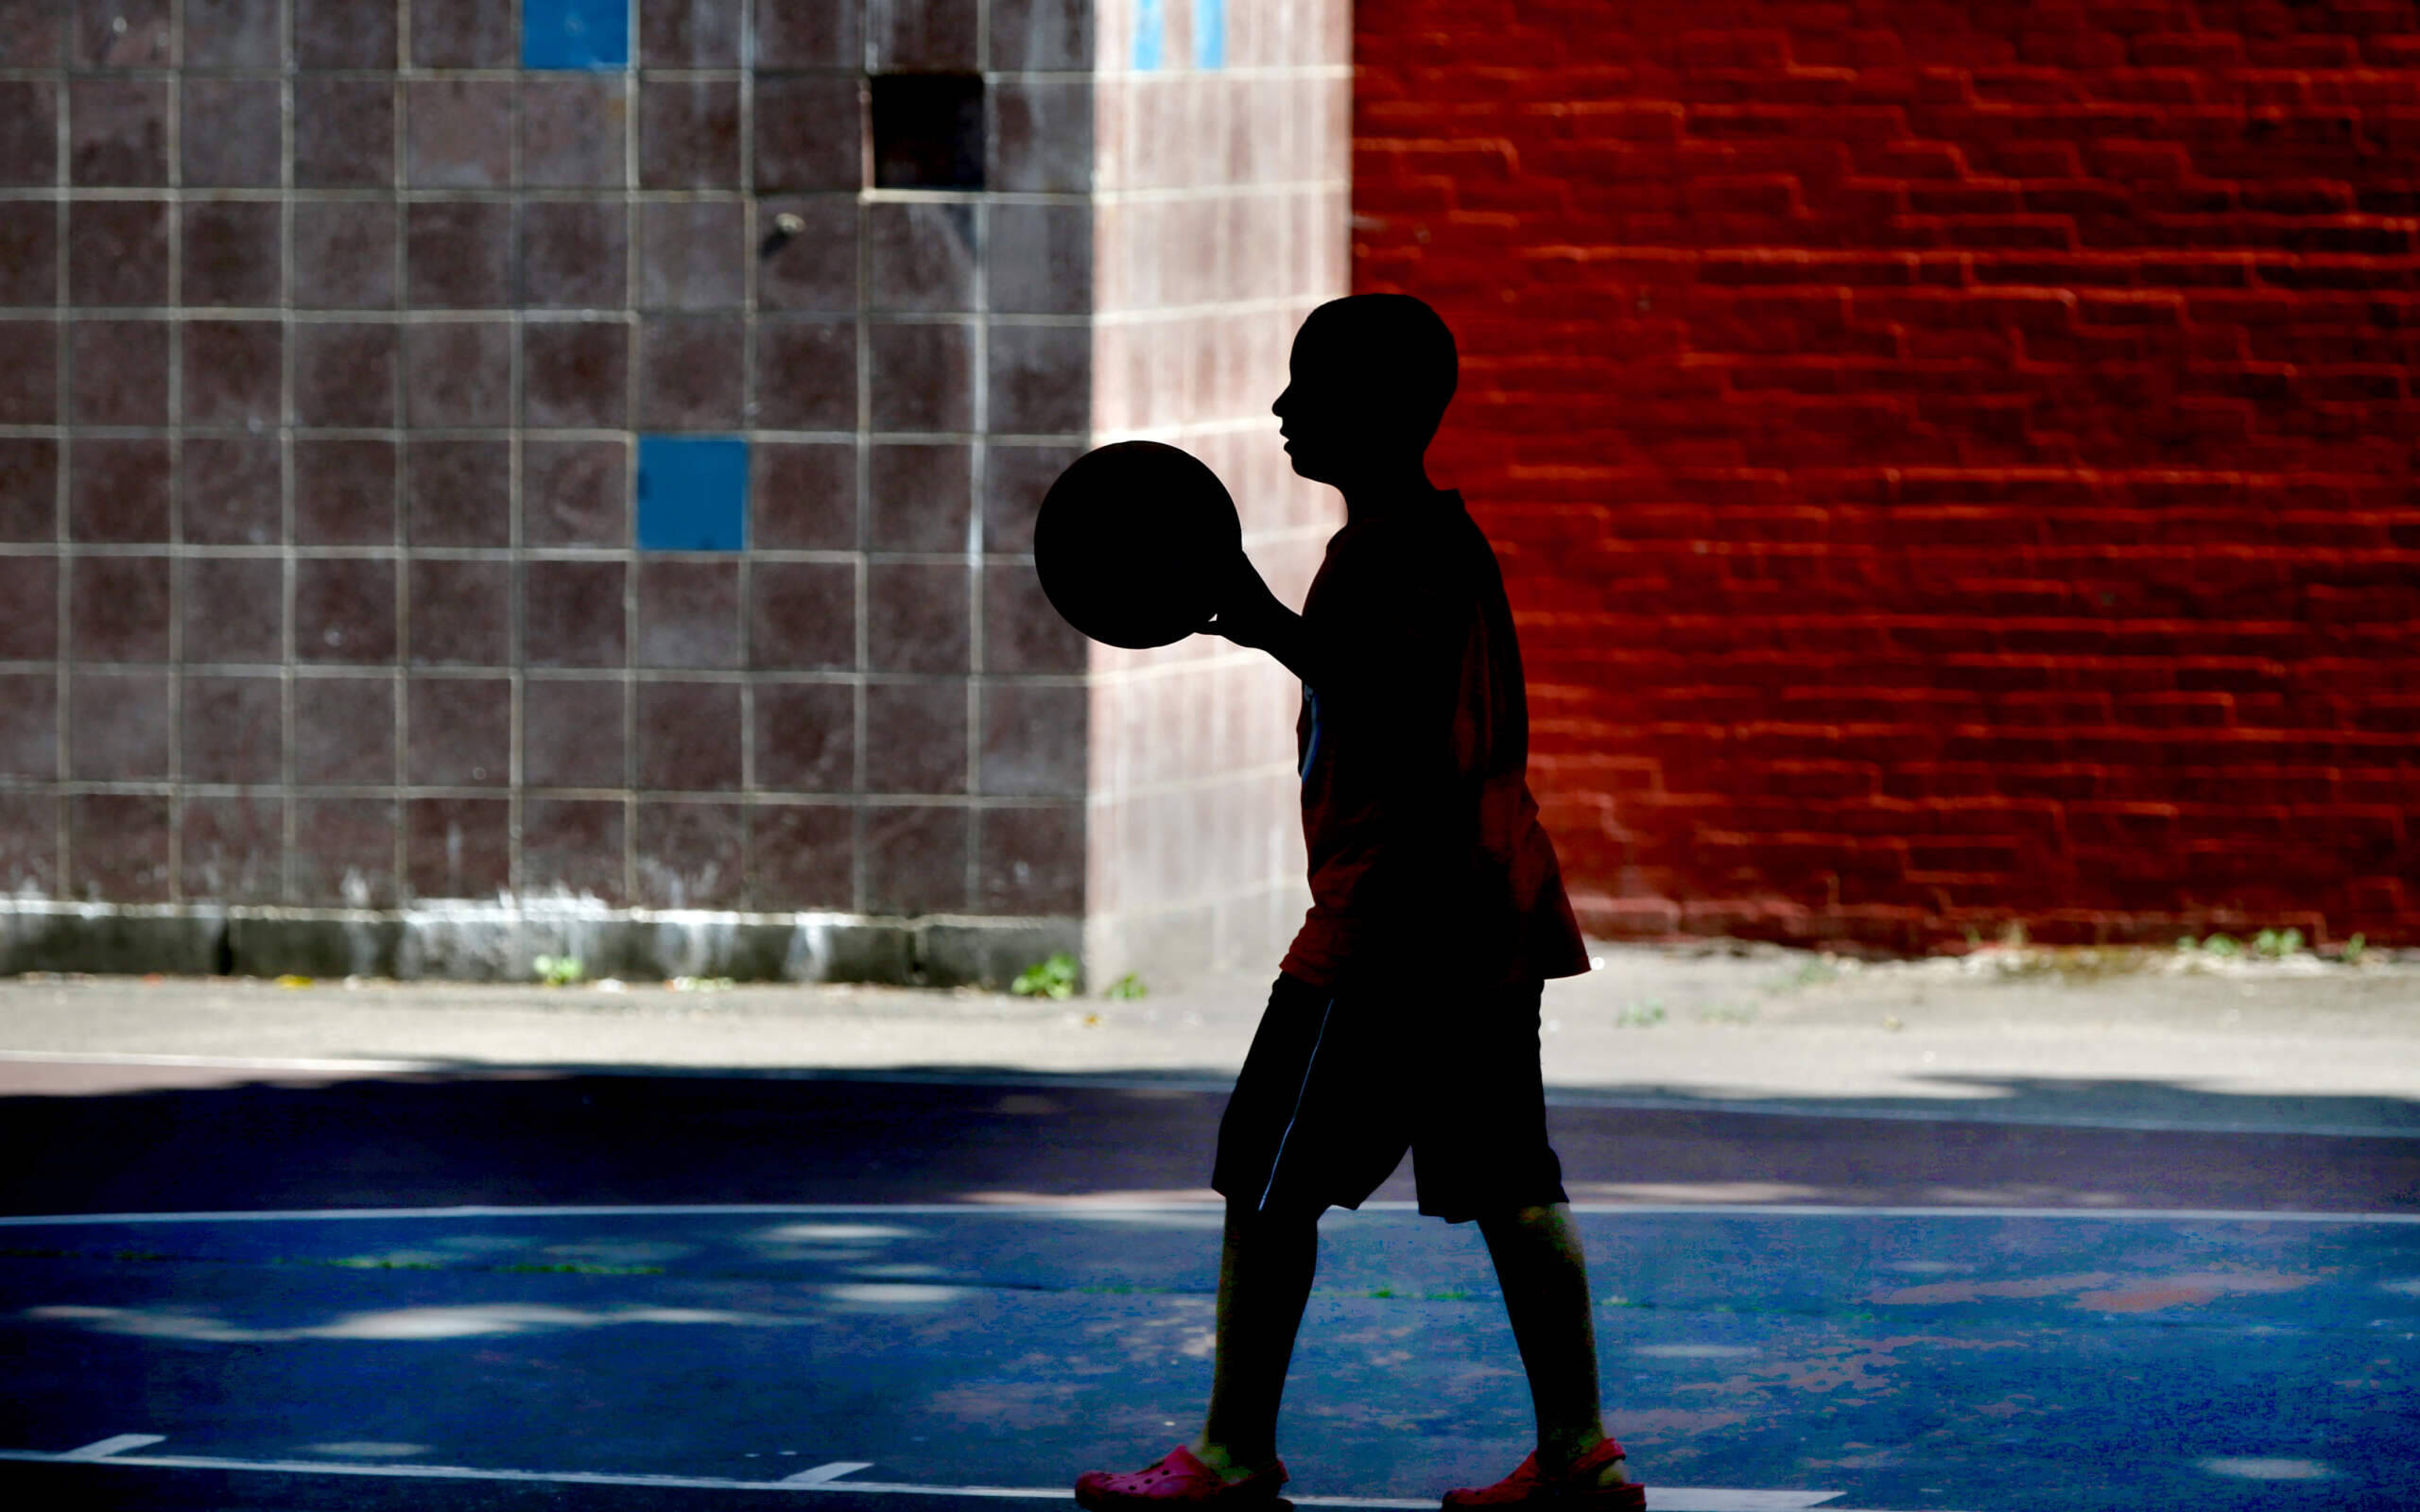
[1406, 1013]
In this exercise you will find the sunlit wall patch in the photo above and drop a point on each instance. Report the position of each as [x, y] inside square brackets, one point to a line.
[575, 34]
[693, 494]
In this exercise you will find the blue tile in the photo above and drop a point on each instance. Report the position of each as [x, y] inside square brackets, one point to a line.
[1209, 33]
[575, 34]
[693, 494]
[1147, 34]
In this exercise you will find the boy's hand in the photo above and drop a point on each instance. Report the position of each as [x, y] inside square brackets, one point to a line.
[1248, 613]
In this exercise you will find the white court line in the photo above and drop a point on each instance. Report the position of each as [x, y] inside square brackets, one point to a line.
[1659, 1498]
[1078, 1208]
[1953, 1110]
[1959, 1111]
[120, 1057]
[103, 1449]
[822, 1473]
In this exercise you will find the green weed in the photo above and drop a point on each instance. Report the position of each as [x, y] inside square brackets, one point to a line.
[2267, 945]
[1053, 978]
[2276, 944]
[1816, 972]
[559, 970]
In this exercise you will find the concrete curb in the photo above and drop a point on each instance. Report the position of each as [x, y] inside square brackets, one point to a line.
[501, 941]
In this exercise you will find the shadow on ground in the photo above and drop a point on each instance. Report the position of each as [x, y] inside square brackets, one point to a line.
[222, 1139]
[1764, 1328]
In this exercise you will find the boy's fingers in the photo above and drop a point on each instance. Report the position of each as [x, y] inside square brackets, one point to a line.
[1233, 628]
[1247, 591]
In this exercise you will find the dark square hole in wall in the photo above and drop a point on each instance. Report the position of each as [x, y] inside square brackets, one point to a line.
[928, 131]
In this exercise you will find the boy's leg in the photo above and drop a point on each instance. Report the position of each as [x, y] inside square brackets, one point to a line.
[1265, 1267]
[1545, 1277]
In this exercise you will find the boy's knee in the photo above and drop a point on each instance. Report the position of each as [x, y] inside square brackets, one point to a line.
[1505, 1217]
[1255, 1220]
[1506, 1221]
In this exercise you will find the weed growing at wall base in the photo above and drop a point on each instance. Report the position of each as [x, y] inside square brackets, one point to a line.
[559, 970]
[1053, 978]
[2268, 945]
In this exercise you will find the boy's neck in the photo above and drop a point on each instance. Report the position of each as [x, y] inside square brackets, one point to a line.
[1373, 493]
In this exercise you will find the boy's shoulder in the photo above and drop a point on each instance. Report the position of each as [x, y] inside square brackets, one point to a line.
[1397, 583]
[1433, 542]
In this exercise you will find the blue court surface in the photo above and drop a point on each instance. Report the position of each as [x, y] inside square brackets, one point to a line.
[907, 1356]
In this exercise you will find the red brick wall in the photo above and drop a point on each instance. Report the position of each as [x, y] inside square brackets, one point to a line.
[1952, 463]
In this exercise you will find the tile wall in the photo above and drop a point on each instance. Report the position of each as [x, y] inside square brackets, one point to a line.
[452, 449]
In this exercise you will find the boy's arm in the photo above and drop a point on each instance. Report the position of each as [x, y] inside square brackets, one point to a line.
[1250, 615]
[1390, 638]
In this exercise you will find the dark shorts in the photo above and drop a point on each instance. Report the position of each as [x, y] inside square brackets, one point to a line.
[1338, 1086]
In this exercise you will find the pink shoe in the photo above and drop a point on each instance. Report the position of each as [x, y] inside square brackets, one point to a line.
[1178, 1480]
[1576, 1487]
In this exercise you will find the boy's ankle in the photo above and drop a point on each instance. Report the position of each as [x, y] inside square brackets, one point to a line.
[1556, 1459]
[1229, 1465]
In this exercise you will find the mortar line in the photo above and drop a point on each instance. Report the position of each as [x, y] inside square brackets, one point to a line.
[634, 348]
[978, 651]
[860, 828]
[173, 136]
[516, 611]
[289, 816]
[399, 701]
[63, 490]
[751, 232]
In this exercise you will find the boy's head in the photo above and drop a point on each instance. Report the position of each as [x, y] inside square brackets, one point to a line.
[1368, 383]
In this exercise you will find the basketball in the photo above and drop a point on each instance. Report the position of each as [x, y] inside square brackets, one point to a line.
[1131, 543]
